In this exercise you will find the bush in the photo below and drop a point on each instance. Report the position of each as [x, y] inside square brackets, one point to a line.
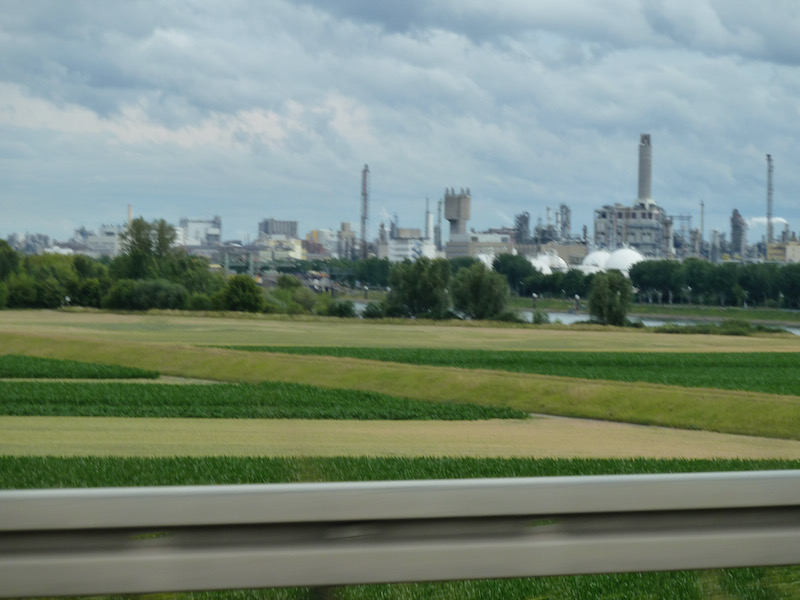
[89, 292]
[540, 317]
[509, 316]
[3, 295]
[610, 298]
[419, 289]
[342, 308]
[199, 301]
[242, 293]
[21, 291]
[373, 310]
[146, 294]
[479, 293]
[49, 293]
[273, 306]
[118, 295]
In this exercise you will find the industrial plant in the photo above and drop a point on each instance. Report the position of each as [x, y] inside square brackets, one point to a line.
[623, 233]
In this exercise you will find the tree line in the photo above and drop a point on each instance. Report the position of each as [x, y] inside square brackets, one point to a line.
[150, 273]
[728, 284]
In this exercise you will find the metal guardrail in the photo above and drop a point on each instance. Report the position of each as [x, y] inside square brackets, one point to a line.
[140, 540]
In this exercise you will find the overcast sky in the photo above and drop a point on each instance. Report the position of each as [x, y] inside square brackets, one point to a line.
[250, 109]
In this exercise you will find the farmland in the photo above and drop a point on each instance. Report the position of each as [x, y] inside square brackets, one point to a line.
[22, 367]
[269, 400]
[769, 372]
[273, 416]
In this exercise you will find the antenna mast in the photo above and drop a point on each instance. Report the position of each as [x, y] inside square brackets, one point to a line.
[364, 207]
[769, 199]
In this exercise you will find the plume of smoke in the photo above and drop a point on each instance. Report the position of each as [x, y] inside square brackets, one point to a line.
[762, 221]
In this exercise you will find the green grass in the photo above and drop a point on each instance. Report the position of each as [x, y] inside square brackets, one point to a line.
[772, 373]
[744, 584]
[29, 367]
[271, 400]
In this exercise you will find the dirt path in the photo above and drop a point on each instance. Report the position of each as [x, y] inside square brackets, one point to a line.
[538, 437]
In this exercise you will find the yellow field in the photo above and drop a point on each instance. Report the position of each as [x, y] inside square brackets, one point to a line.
[536, 438]
[264, 330]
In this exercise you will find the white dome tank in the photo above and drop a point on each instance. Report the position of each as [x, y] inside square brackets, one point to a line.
[623, 259]
[543, 268]
[597, 259]
[552, 260]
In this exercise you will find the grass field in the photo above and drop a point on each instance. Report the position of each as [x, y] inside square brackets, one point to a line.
[772, 373]
[285, 331]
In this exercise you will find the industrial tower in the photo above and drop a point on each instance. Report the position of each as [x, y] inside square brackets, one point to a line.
[769, 198]
[645, 167]
[364, 207]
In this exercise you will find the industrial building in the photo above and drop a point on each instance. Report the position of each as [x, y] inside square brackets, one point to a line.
[272, 228]
[398, 244]
[738, 234]
[645, 225]
[199, 232]
[470, 243]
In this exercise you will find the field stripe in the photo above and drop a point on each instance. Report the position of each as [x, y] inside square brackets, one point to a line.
[538, 437]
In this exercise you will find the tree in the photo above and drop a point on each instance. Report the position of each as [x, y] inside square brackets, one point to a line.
[662, 278]
[21, 291]
[419, 289]
[789, 284]
[515, 268]
[242, 293]
[9, 260]
[144, 247]
[480, 293]
[610, 298]
[461, 262]
[373, 271]
[163, 236]
[574, 283]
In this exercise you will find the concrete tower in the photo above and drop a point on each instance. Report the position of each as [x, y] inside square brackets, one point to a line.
[456, 210]
[645, 167]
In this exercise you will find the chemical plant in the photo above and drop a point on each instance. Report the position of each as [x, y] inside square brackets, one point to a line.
[622, 232]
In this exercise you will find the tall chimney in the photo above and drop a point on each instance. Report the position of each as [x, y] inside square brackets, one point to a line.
[769, 199]
[645, 167]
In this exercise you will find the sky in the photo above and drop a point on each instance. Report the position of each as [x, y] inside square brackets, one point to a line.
[255, 109]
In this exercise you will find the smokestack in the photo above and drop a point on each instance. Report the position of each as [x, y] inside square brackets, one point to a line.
[769, 199]
[645, 167]
[428, 221]
[130, 213]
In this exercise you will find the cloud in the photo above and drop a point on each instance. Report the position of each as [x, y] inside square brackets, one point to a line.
[253, 107]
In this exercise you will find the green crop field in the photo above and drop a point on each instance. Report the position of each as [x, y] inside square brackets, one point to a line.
[29, 367]
[270, 400]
